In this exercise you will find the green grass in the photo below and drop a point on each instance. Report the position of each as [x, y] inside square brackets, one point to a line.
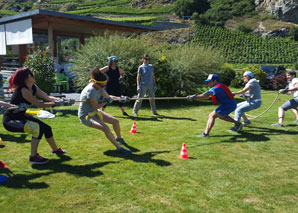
[252, 171]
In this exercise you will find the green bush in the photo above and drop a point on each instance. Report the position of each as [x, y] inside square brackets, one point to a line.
[226, 74]
[179, 70]
[188, 7]
[43, 68]
[237, 82]
[244, 28]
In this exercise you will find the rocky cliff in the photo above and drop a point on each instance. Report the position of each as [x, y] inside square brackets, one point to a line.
[284, 10]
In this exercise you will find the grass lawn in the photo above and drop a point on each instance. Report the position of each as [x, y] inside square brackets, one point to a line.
[252, 171]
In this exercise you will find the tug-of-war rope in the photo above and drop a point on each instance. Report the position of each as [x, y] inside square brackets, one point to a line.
[251, 117]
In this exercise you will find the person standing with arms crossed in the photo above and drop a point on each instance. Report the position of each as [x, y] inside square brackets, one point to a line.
[146, 84]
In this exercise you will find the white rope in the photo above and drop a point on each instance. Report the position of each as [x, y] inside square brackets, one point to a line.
[252, 117]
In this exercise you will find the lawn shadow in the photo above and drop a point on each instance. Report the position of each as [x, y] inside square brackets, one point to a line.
[22, 181]
[154, 118]
[15, 137]
[270, 131]
[243, 137]
[175, 118]
[87, 170]
[143, 118]
[147, 157]
[254, 134]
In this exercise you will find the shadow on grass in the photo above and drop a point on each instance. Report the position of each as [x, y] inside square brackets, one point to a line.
[18, 138]
[254, 134]
[143, 158]
[86, 170]
[273, 130]
[22, 181]
[154, 118]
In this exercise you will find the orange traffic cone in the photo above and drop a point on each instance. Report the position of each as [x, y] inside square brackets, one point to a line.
[2, 164]
[133, 128]
[183, 154]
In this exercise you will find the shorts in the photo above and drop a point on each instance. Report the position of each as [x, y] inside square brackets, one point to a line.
[90, 120]
[225, 110]
[291, 104]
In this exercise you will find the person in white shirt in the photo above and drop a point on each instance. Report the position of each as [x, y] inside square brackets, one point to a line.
[252, 93]
[292, 88]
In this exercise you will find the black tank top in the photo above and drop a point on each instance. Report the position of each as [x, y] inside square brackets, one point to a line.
[17, 96]
[113, 85]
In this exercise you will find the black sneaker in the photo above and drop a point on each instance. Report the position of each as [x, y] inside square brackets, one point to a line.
[37, 159]
[59, 152]
[124, 113]
[123, 151]
[121, 141]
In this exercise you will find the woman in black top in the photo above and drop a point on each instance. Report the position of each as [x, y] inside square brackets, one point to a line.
[16, 120]
[115, 75]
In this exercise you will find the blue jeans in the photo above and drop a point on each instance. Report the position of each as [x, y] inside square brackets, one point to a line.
[246, 106]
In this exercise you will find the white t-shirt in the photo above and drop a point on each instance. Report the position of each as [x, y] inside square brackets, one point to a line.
[292, 84]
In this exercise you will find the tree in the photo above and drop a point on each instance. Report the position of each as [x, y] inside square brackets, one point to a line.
[188, 7]
[294, 33]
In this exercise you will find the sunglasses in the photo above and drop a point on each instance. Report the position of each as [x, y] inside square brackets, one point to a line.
[147, 58]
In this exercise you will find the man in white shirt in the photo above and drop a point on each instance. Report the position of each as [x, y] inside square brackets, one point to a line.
[291, 104]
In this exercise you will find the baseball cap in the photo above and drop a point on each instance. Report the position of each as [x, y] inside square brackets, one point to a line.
[212, 77]
[113, 58]
[249, 73]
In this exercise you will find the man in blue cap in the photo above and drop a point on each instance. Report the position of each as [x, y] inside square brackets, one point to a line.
[252, 93]
[221, 94]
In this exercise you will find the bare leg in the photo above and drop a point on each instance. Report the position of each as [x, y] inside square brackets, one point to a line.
[101, 126]
[210, 123]
[281, 115]
[228, 119]
[122, 109]
[52, 143]
[115, 122]
[295, 111]
[245, 118]
[34, 146]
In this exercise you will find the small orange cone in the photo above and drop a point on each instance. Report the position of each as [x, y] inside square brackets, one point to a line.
[1, 142]
[133, 128]
[2, 164]
[183, 154]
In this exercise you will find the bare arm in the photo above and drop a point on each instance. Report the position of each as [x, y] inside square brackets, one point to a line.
[294, 88]
[121, 72]
[104, 69]
[204, 96]
[2, 103]
[138, 79]
[31, 99]
[244, 90]
[153, 77]
[41, 94]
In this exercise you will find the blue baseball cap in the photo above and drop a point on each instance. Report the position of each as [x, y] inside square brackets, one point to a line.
[212, 77]
[249, 73]
[113, 58]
